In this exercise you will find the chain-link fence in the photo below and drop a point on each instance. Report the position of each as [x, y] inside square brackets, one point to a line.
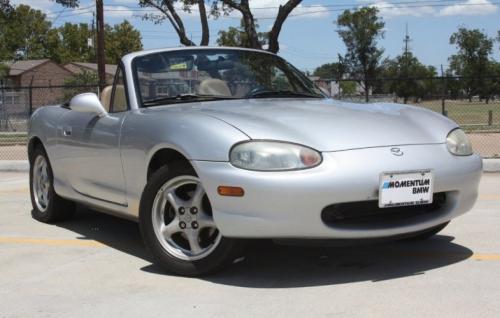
[474, 103]
[478, 112]
[16, 106]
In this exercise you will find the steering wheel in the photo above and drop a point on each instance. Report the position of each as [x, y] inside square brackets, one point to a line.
[256, 90]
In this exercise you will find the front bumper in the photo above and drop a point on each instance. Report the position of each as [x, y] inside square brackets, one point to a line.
[289, 204]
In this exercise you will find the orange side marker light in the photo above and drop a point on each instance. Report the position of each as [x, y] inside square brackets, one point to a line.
[230, 191]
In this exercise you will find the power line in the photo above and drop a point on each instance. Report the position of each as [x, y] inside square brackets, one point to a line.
[349, 5]
[74, 9]
[321, 8]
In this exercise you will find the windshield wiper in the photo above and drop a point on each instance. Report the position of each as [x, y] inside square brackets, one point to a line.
[183, 97]
[263, 94]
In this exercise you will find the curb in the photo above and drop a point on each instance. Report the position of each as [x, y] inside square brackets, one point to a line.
[489, 165]
[14, 166]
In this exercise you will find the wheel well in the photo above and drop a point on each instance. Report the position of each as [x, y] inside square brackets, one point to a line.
[34, 143]
[165, 157]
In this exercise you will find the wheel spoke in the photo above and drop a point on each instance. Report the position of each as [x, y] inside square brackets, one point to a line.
[197, 196]
[171, 228]
[205, 220]
[174, 200]
[192, 237]
[45, 192]
[44, 172]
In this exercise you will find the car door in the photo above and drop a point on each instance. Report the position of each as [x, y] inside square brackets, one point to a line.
[90, 147]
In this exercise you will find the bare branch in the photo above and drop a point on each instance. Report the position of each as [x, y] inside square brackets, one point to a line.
[168, 9]
[283, 13]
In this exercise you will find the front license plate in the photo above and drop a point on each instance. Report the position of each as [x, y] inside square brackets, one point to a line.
[405, 188]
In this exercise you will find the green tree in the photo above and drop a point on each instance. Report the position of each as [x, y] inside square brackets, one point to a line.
[23, 29]
[68, 3]
[335, 70]
[491, 81]
[360, 29]
[472, 59]
[5, 11]
[69, 43]
[348, 87]
[5, 6]
[83, 82]
[409, 77]
[121, 39]
[4, 71]
[168, 11]
[238, 37]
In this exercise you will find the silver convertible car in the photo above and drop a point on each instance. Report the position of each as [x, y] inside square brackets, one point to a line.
[208, 147]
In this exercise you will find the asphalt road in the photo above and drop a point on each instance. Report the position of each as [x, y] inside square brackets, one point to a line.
[96, 266]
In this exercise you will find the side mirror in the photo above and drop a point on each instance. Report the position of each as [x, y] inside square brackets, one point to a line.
[87, 103]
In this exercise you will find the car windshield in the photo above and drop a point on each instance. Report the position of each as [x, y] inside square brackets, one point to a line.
[206, 74]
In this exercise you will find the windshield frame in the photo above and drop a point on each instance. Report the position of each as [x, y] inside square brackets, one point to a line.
[140, 103]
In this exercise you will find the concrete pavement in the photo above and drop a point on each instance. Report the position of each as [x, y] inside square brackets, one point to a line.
[96, 266]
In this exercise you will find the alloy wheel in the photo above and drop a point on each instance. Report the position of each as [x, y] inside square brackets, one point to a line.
[183, 220]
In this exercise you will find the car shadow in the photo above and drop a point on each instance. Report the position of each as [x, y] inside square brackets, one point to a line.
[268, 265]
[120, 234]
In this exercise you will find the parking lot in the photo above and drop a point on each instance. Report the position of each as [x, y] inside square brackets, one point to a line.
[96, 266]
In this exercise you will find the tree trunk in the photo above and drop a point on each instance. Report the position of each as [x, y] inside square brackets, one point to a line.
[249, 24]
[367, 92]
[248, 21]
[205, 32]
[283, 13]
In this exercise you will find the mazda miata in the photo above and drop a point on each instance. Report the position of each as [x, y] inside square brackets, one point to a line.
[208, 147]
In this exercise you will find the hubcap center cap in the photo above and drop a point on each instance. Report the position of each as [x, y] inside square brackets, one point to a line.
[188, 219]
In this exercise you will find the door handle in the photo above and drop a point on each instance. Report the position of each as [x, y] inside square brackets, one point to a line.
[66, 131]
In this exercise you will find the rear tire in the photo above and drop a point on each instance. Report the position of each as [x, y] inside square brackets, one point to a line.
[177, 225]
[427, 233]
[48, 207]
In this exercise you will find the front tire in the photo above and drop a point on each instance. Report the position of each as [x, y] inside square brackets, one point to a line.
[177, 225]
[48, 207]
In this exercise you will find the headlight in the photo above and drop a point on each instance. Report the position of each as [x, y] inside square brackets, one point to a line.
[273, 156]
[458, 143]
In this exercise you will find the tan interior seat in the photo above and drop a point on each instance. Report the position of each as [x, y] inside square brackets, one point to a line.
[213, 86]
[106, 97]
[120, 100]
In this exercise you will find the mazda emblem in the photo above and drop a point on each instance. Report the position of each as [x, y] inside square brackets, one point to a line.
[397, 152]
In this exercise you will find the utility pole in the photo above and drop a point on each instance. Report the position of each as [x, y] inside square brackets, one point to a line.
[93, 52]
[406, 67]
[101, 72]
[407, 40]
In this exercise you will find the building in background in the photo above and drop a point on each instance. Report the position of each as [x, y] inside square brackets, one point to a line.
[33, 73]
[78, 67]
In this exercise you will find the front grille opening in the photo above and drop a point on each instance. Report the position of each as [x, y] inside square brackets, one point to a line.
[367, 213]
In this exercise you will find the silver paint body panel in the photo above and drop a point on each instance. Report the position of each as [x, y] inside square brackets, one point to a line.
[104, 162]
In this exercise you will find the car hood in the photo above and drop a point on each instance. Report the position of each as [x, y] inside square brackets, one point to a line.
[330, 125]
